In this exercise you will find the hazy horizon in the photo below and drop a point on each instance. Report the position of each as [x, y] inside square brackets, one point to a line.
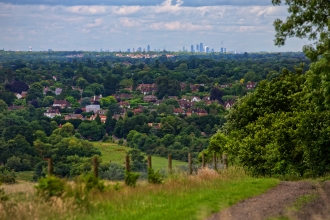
[118, 25]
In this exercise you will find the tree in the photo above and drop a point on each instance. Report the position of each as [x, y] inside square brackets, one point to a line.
[93, 130]
[3, 105]
[35, 91]
[106, 101]
[82, 83]
[250, 76]
[75, 94]
[17, 86]
[85, 101]
[166, 86]
[139, 163]
[306, 19]
[216, 94]
[111, 84]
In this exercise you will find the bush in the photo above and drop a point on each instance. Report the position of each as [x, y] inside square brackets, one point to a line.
[115, 172]
[121, 142]
[91, 182]
[50, 186]
[105, 138]
[154, 177]
[7, 177]
[131, 178]
[3, 196]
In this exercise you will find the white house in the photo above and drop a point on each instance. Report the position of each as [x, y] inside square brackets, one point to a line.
[92, 108]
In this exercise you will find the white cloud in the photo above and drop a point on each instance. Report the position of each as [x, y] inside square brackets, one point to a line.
[168, 23]
[86, 10]
[96, 23]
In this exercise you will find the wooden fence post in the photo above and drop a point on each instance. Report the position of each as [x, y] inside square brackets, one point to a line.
[215, 161]
[190, 163]
[95, 167]
[149, 162]
[225, 161]
[203, 160]
[170, 163]
[50, 166]
[127, 167]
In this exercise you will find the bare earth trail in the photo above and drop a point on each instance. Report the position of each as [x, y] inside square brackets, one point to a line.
[282, 201]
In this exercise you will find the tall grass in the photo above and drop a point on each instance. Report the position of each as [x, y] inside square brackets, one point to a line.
[180, 197]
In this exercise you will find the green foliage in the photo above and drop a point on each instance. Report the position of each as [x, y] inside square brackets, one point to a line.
[120, 141]
[114, 172]
[50, 186]
[154, 177]
[91, 182]
[7, 177]
[131, 178]
[3, 196]
[106, 101]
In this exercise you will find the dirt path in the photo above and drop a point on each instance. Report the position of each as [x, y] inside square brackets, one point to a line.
[282, 201]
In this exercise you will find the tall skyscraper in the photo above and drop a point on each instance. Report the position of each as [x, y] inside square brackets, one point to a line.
[224, 50]
[128, 50]
[192, 48]
[207, 49]
[197, 48]
[148, 48]
[221, 50]
[139, 49]
[201, 47]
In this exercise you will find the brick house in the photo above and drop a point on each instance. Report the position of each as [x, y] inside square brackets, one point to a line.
[149, 98]
[199, 112]
[73, 116]
[61, 104]
[229, 104]
[51, 113]
[251, 85]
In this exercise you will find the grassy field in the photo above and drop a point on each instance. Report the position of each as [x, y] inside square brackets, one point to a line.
[116, 153]
[179, 197]
[24, 176]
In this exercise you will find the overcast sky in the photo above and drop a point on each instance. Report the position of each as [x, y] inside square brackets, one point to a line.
[238, 25]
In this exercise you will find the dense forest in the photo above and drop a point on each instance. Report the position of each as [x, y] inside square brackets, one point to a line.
[53, 103]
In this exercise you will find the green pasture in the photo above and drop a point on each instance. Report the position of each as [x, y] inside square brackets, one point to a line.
[116, 153]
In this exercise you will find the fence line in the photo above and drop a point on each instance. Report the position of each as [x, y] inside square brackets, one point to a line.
[223, 159]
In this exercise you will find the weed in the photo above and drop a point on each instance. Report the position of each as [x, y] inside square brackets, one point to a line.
[131, 178]
[92, 182]
[3, 196]
[154, 177]
[50, 186]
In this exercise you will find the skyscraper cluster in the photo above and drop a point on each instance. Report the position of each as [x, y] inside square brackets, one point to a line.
[204, 49]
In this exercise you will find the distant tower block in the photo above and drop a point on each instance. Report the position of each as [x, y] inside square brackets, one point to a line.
[30, 49]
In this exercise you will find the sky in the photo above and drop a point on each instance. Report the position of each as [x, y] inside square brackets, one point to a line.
[237, 25]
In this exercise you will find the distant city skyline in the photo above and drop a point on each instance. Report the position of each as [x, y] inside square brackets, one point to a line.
[118, 25]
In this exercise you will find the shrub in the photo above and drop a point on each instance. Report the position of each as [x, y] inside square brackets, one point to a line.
[105, 138]
[7, 177]
[154, 177]
[121, 142]
[92, 182]
[115, 172]
[50, 186]
[131, 178]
